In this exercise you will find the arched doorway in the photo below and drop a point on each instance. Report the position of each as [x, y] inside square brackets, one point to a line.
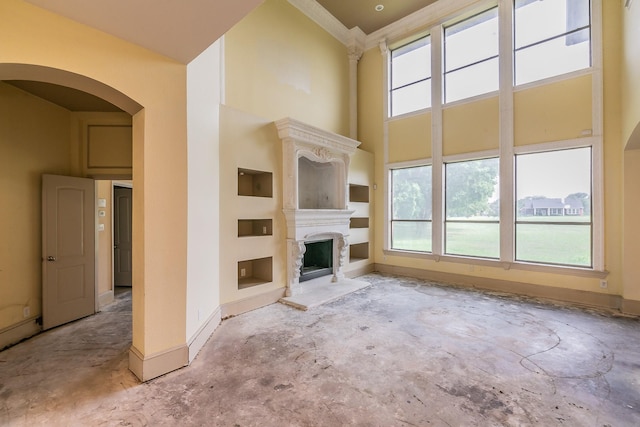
[40, 131]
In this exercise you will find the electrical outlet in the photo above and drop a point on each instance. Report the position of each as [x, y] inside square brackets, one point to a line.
[243, 272]
[26, 312]
[603, 284]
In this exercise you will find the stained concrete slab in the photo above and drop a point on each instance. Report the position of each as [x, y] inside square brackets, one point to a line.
[402, 352]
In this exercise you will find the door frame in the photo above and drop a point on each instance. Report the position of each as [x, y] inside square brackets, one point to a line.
[114, 184]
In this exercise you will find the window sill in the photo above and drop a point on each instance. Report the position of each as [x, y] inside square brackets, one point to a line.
[513, 265]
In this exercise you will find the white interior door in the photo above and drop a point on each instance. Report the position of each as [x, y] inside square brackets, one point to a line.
[68, 249]
[122, 218]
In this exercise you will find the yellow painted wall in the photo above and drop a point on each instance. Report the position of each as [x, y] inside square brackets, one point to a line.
[631, 271]
[471, 126]
[613, 159]
[553, 112]
[279, 63]
[630, 141]
[410, 138]
[371, 134]
[249, 142]
[33, 36]
[34, 139]
[370, 102]
[105, 249]
[630, 72]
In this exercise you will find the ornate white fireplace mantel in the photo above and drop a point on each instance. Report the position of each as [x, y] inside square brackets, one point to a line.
[315, 189]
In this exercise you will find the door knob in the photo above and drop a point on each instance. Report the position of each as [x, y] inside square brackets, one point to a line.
[51, 258]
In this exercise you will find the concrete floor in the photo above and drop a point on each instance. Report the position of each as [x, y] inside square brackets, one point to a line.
[401, 353]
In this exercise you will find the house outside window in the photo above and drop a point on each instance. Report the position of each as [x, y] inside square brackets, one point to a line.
[471, 56]
[550, 38]
[553, 212]
[411, 208]
[410, 77]
[472, 209]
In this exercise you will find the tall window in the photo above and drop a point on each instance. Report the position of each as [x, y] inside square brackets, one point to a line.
[551, 38]
[553, 213]
[411, 209]
[471, 56]
[472, 207]
[410, 77]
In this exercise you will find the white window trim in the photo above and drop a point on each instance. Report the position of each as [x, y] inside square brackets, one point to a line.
[506, 151]
[388, 205]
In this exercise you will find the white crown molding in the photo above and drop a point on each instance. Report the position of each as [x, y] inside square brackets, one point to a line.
[355, 39]
[426, 17]
[322, 17]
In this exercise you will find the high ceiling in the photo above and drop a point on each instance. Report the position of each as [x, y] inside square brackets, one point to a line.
[181, 30]
[363, 13]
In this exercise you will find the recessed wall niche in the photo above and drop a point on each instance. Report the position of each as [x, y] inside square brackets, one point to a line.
[255, 227]
[358, 251]
[358, 193]
[254, 272]
[359, 222]
[255, 183]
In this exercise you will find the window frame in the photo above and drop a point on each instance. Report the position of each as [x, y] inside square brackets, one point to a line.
[593, 218]
[392, 89]
[445, 220]
[446, 72]
[507, 146]
[516, 49]
[390, 218]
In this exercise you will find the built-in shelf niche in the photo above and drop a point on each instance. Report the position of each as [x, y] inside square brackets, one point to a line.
[254, 272]
[255, 227]
[358, 251]
[358, 193]
[359, 222]
[255, 183]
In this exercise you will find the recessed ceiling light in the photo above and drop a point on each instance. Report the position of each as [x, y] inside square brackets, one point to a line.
[379, 8]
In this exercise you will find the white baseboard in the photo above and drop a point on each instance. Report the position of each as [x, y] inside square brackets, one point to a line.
[630, 306]
[105, 298]
[360, 271]
[201, 336]
[235, 308]
[16, 333]
[152, 366]
[585, 298]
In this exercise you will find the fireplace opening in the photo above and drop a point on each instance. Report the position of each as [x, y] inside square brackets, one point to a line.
[317, 260]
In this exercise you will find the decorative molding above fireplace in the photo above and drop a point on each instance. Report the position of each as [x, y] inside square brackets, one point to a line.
[315, 189]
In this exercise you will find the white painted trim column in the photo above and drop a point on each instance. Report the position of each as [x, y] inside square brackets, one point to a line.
[597, 96]
[437, 167]
[386, 187]
[506, 132]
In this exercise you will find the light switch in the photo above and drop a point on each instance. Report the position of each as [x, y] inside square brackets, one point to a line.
[100, 227]
[102, 203]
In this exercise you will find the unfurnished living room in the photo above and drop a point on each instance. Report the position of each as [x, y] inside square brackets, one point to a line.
[319, 212]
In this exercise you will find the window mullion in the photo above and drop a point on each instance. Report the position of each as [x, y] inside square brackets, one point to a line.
[506, 133]
[437, 172]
